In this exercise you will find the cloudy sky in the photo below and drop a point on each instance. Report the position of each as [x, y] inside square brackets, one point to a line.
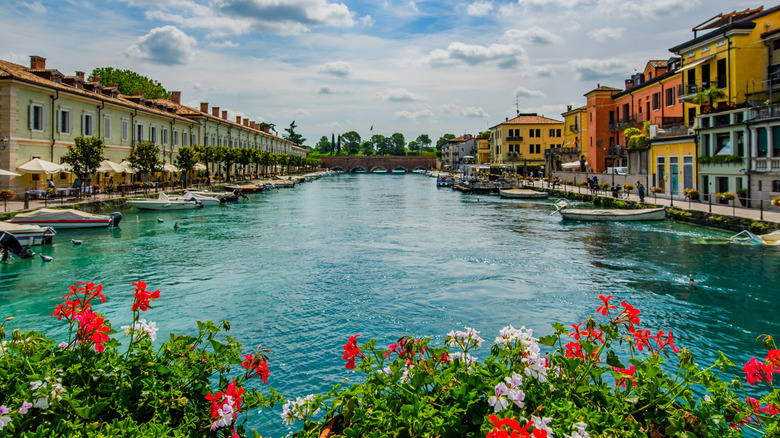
[415, 67]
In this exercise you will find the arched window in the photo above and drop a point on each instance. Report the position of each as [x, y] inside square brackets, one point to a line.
[776, 185]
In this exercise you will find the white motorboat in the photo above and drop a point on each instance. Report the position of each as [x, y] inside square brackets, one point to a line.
[521, 193]
[69, 218]
[772, 238]
[163, 202]
[28, 235]
[609, 214]
[203, 199]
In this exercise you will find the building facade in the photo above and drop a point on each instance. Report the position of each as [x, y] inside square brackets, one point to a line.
[525, 139]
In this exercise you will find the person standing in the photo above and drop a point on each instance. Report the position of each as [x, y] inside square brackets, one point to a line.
[641, 190]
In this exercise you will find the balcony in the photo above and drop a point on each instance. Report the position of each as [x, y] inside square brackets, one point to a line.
[562, 151]
[765, 112]
[766, 164]
[625, 122]
[514, 138]
[574, 129]
[616, 151]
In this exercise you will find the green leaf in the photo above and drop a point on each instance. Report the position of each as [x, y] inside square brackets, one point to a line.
[548, 340]
[614, 361]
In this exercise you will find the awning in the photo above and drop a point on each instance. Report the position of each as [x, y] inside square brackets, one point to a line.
[170, 168]
[8, 173]
[199, 166]
[695, 63]
[571, 165]
[127, 167]
[110, 166]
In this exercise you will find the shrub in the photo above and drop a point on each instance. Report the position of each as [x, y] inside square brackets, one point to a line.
[86, 386]
[580, 386]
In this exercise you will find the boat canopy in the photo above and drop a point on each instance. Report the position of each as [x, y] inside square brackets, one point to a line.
[50, 214]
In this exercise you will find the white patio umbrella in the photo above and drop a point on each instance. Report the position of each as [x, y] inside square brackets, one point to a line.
[8, 173]
[110, 167]
[36, 165]
[199, 166]
[127, 167]
[170, 168]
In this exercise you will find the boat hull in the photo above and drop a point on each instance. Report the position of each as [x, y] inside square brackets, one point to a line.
[94, 223]
[614, 215]
[521, 194]
[245, 188]
[164, 205]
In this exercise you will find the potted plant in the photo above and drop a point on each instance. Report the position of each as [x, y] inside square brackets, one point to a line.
[742, 195]
[691, 194]
[5, 195]
[604, 186]
[725, 196]
[657, 190]
[583, 184]
[569, 182]
[775, 201]
[628, 187]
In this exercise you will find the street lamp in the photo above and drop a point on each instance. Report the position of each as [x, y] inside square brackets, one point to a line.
[4, 142]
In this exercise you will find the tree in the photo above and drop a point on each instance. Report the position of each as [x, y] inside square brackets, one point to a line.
[145, 157]
[292, 135]
[397, 144]
[351, 142]
[414, 145]
[269, 126]
[187, 159]
[381, 144]
[324, 146]
[447, 137]
[423, 142]
[129, 82]
[85, 155]
[367, 148]
[710, 95]
[226, 156]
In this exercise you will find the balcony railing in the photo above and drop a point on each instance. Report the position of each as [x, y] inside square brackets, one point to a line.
[514, 138]
[765, 112]
[562, 151]
[623, 123]
[574, 129]
[616, 151]
[767, 164]
[690, 88]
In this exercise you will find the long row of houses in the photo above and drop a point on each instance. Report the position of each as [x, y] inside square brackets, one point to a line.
[710, 114]
[42, 111]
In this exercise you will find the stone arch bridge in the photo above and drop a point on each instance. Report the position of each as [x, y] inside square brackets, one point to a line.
[369, 164]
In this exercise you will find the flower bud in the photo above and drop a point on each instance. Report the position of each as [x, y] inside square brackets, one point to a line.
[686, 356]
[768, 341]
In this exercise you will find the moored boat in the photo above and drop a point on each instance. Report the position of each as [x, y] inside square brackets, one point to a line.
[49, 217]
[28, 235]
[521, 193]
[163, 202]
[245, 188]
[609, 214]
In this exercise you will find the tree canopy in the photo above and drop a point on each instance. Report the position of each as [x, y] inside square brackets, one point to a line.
[144, 157]
[85, 155]
[130, 82]
[292, 135]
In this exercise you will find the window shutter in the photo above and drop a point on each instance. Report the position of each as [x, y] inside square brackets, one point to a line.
[43, 118]
[31, 120]
[83, 124]
[70, 123]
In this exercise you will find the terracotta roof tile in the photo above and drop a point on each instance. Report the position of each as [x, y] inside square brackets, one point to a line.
[528, 119]
[658, 63]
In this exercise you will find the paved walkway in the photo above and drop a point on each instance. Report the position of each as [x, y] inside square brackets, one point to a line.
[770, 213]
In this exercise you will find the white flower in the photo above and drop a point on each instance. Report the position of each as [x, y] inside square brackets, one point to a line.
[579, 432]
[498, 401]
[541, 423]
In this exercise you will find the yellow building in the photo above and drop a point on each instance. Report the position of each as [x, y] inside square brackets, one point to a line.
[728, 53]
[483, 150]
[524, 139]
[575, 128]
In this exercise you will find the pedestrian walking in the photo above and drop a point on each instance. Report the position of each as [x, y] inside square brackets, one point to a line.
[641, 190]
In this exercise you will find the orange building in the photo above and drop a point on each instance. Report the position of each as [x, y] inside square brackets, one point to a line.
[651, 97]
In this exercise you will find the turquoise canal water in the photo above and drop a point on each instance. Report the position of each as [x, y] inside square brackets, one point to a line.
[300, 270]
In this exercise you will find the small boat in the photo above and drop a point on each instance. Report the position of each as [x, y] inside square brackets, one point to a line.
[521, 193]
[747, 237]
[163, 202]
[245, 188]
[49, 217]
[9, 244]
[28, 235]
[192, 196]
[609, 214]
[443, 182]
[223, 197]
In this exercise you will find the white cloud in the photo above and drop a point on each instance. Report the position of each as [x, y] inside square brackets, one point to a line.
[525, 92]
[544, 71]
[504, 55]
[337, 68]
[479, 9]
[416, 115]
[607, 33]
[223, 44]
[165, 45]
[35, 6]
[538, 4]
[467, 112]
[327, 89]
[367, 21]
[653, 9]
[401, 95]
[594, 69]
[534, 35]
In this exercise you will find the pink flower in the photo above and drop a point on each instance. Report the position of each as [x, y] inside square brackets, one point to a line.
[25, 407]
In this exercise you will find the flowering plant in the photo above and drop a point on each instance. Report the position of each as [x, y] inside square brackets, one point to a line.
[6, 194]
[579, 387]
[50, 191]
[604, 186]
[725, 196]
[691, 193]
[776, 201]
[657, 190]
[628, 187]
[87, 383]
[569, 182]
[583, 183]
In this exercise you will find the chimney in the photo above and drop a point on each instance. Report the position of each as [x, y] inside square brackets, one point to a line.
[80, 74]
[267, 129]
[568, 107]
[204, 107]
[176, 97]
[224, 114]
[139, 93]
[246, 122]
[507, 119]
[629, 83]
[37, 63]
[238, 119]
[114, 85]
[215, 111]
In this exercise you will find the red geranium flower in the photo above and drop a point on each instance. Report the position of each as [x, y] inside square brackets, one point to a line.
[256, 367]
[351, 351]
[142, 296]
[605, 308]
